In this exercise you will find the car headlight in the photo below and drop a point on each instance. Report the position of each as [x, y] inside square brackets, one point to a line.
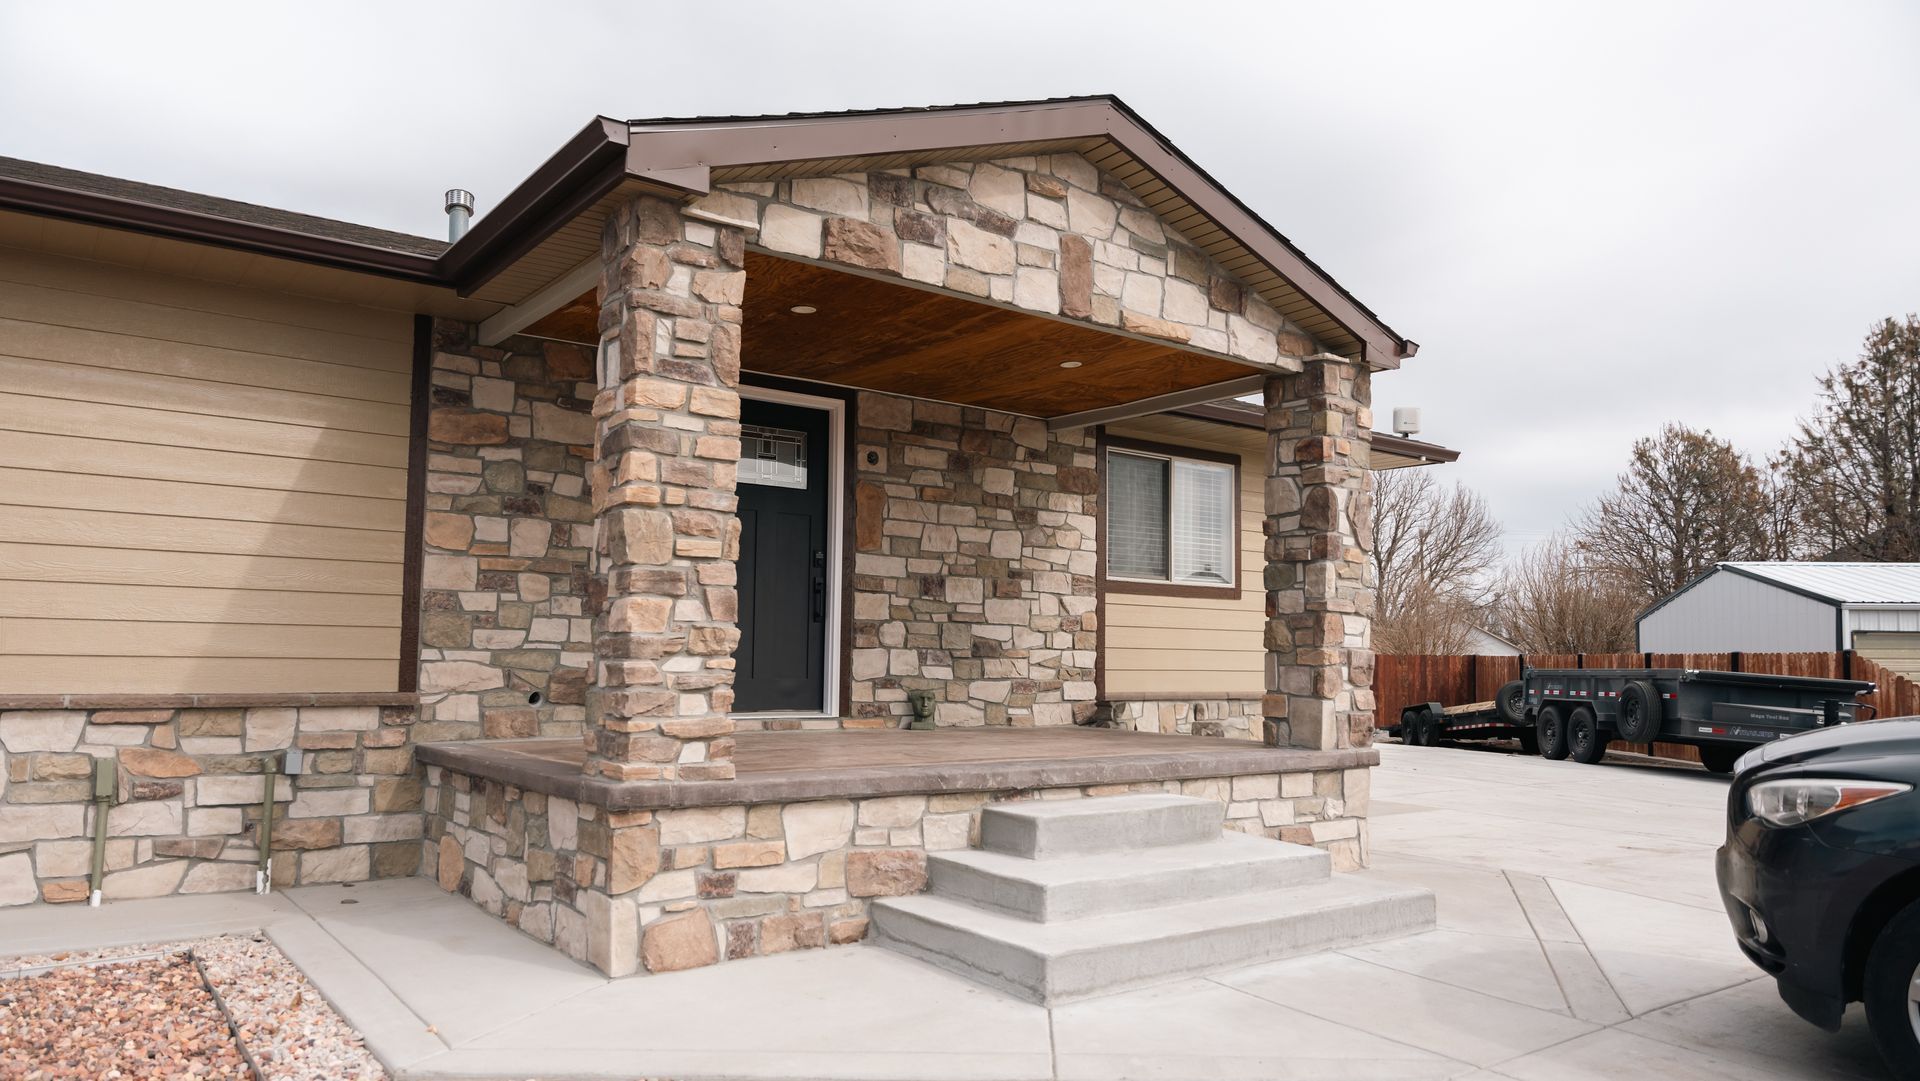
[1803, 799]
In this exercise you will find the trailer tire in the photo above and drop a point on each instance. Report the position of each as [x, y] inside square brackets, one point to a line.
[1551, 731]
[1529, 740]
[1429, 728]
[1640, 717]
[1511, 701]
[1586, 743]
[1720, 759]
[1413, 728]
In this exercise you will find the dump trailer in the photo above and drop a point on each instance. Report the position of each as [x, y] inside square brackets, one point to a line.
[1575, 712]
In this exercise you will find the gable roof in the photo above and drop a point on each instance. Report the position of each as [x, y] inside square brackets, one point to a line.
[551, 221]
[1838, 584]
[1841, 583]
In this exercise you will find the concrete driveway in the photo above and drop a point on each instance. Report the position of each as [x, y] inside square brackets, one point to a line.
[1579, 938]
[1586, 892]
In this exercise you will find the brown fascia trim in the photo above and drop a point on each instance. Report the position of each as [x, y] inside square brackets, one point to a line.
[1243, 416]
[90, 208]
[677, 157]
[590, 165]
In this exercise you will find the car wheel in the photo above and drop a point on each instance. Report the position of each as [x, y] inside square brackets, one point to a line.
[1410, 733]
[1586, 744]
[1511, 702]
[1719, 759]
[1892, 992]
[1551, 731]
[1639, 712]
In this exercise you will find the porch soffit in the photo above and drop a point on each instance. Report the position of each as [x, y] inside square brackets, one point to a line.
[880, 334]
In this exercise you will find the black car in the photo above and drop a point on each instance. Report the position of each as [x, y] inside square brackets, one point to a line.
[1821, 875]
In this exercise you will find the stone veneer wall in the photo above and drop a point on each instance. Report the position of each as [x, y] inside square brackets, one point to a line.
[1224, 718]
[974, 558]
[190, 788]
[658, 891]
[1319, 550]
[1048, 233]
[507, 608]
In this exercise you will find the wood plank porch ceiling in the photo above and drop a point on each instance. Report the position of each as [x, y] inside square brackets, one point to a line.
[872, 334]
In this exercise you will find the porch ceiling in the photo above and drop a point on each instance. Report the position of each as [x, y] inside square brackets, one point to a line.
[874, 334]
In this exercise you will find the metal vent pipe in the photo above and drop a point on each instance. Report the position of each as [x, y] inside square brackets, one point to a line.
[459, 212]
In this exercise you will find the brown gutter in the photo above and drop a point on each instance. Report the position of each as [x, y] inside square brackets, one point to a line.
[1241, 415]
[91, 208]
[580, 174]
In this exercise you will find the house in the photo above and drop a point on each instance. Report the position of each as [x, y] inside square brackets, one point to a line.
[1482, 642]
[576, 558]
[1785, 607]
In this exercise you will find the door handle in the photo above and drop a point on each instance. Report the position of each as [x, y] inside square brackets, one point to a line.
[819, 587]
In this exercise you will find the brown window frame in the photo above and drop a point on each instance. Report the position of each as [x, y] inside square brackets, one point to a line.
[1149, 587]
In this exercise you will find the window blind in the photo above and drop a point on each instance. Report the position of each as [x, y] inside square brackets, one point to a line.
[1202, 522]
[1137, 516]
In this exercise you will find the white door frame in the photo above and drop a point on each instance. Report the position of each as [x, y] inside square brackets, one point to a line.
[836, 411]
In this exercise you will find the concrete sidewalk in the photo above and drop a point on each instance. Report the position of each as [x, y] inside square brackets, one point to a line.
[1580, 938]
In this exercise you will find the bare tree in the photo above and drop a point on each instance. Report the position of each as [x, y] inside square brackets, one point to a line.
[1856, 463]
[1434, 549]
[1553, 599]
[1688, 500]
[1429, 622]
[1788, 529]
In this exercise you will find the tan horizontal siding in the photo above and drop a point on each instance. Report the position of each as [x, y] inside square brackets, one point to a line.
[104, 638]
[193, 295]
[205, 675]
[58, 563]
[136, 424]
[112, 458]
[78, 382]
[202, 486]
[195, 500]
[111, 314]
[159, 532]
[95, 349]
[1194, 646]
[162, 604]
[1184, 680]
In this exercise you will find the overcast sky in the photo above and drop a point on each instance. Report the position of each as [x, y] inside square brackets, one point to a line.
[1594, 218]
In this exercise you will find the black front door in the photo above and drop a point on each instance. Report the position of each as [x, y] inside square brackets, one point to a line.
[783, 558]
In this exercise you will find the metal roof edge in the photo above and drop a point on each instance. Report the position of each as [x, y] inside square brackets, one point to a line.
[151, 219]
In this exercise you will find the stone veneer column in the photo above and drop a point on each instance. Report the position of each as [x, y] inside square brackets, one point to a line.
[1319, 574]
[668, 450]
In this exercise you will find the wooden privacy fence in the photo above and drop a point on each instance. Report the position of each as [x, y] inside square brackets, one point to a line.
[1401, 681]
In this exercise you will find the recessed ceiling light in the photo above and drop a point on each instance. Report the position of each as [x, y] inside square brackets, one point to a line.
[803, 309]
[1069, 364]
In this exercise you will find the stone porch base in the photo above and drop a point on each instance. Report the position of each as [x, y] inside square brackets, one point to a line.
[654, 877]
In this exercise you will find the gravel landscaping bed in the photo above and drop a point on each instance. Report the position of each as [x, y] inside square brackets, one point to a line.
[209, 1008]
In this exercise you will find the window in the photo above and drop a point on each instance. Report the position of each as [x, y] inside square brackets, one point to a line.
[1170, 519]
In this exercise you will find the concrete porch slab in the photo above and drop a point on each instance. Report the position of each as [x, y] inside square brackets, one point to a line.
[783, 767]
[440, 991]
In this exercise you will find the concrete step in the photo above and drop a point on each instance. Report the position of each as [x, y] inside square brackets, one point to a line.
[1075, 887]
[1042, 829]
[1051, 963]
